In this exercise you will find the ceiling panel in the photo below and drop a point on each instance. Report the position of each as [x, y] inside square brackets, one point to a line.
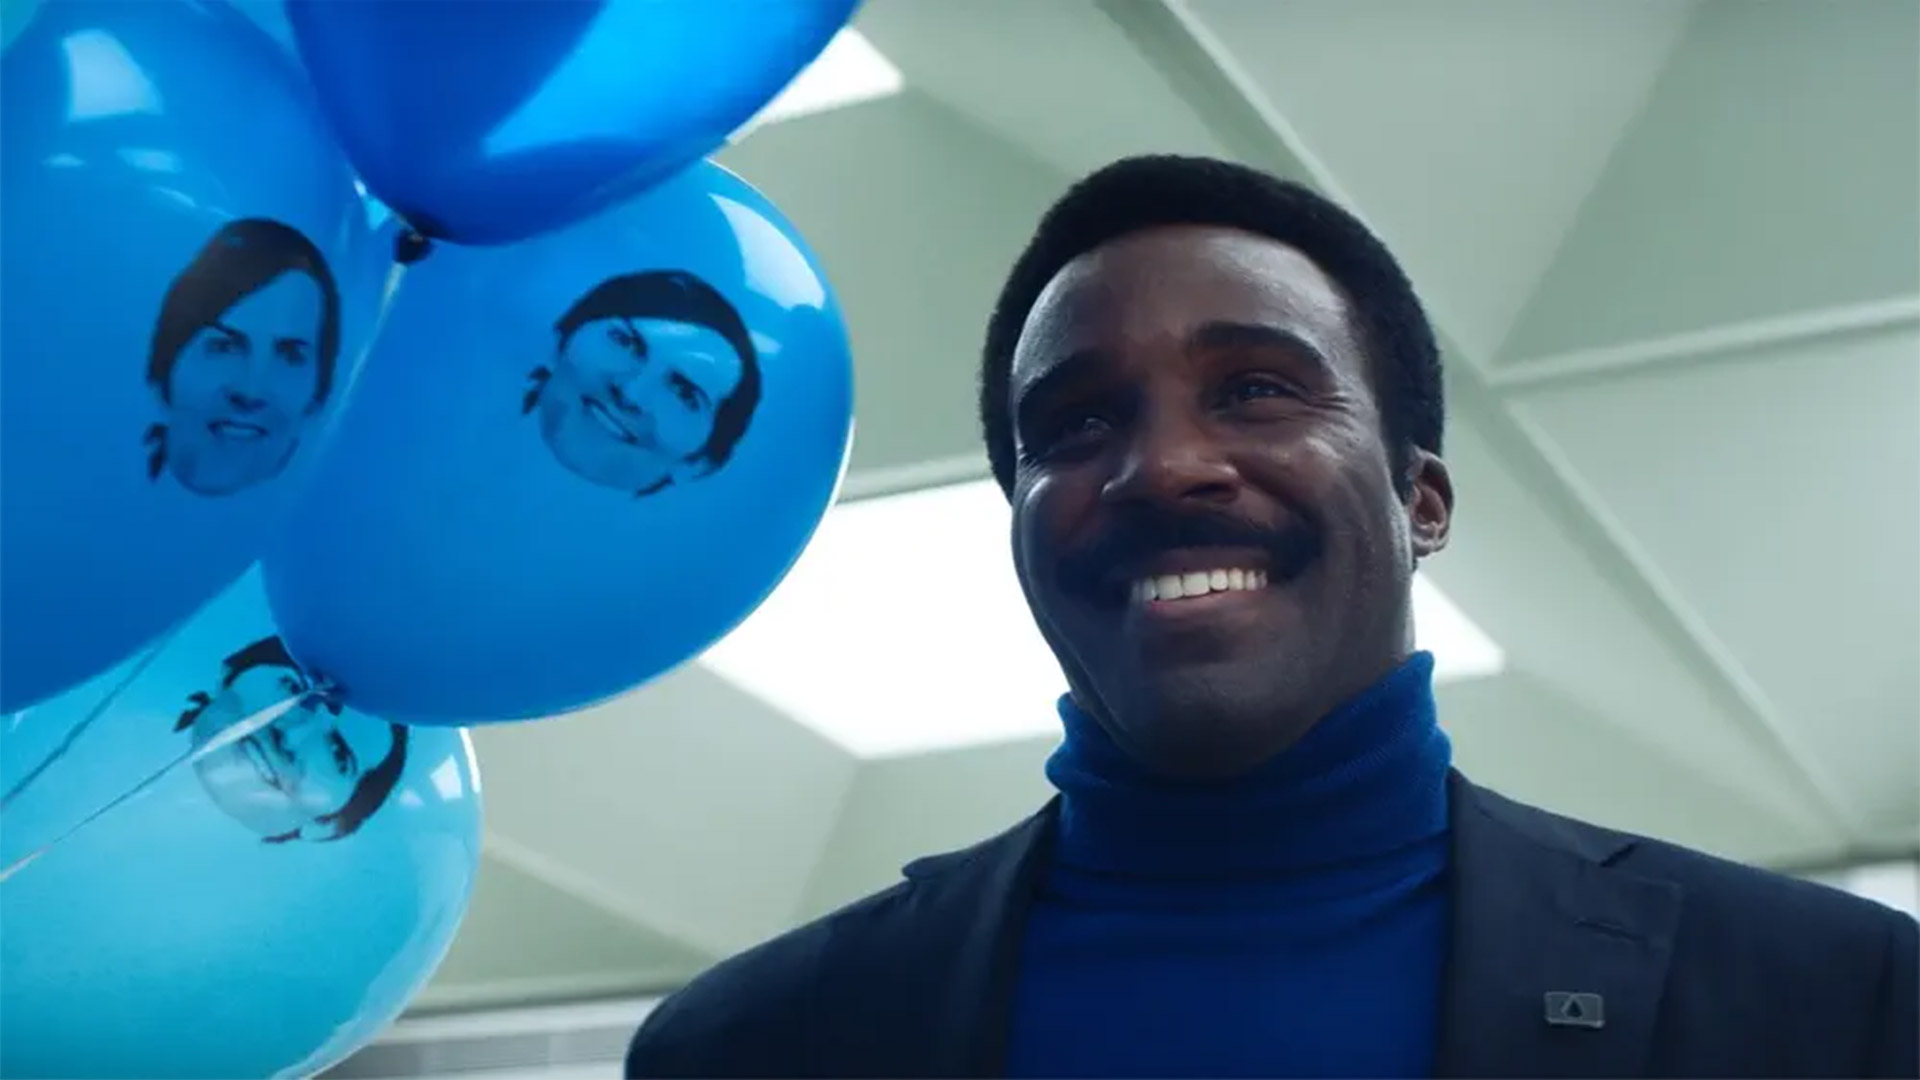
[901, 809]
[1059, 78]
[688, 805]
[1528, 570]
[1777, 496]
[1774, 173]
[524, 940]
[1525, 738]
[1468, 132]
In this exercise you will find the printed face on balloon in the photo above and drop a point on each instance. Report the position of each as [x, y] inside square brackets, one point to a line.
[316, 773]
[242, 358]
[653, 381]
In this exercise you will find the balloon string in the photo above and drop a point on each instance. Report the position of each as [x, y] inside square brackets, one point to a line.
[231, 734]
[395, 274]
[99, 709]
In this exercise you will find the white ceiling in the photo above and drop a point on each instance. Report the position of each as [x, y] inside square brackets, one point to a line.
[1674, 251]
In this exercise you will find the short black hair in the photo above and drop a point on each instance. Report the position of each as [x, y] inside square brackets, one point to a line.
[678, 296]
[1140, 193]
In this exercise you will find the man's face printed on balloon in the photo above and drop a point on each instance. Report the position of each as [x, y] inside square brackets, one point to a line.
[315, 773]
[654, 379]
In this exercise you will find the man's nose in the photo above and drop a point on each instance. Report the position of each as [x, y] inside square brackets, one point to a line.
[244, 401]
[1172, 459]
[626, 391]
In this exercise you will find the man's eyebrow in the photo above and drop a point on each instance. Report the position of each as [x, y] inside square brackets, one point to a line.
[639, 339]
[1242, 335]
[1076, 365]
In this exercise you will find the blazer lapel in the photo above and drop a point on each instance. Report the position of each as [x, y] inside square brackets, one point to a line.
[1557, 961]
[979, 901]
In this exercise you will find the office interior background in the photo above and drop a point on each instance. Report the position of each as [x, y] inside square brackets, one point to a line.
[1673, 249]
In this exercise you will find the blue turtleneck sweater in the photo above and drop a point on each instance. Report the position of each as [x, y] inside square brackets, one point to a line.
[1288, 923]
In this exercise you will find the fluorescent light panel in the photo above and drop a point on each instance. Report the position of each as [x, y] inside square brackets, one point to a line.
[847, 72]
[902, 630]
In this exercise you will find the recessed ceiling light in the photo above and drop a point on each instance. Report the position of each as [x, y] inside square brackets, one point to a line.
[902, 630]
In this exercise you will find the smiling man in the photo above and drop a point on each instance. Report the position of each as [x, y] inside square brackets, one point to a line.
[653, 382]
[1215, 404]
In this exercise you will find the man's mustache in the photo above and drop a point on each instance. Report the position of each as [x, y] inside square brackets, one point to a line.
[1136, 535]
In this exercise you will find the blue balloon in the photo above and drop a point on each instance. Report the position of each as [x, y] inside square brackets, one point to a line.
[270, 16]
[14, 17]
[189, 269]
[574, 463]
[493, 121]
[262, 910]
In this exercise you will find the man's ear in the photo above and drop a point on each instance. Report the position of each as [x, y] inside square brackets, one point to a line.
[1429, 503]
[318, 832]
[538, 378]
[697, 467]
[656, 487]
[197, 702]
[156, 444]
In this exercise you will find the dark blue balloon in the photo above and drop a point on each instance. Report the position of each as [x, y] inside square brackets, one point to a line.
[187, 278]
[573, 463]
[261, 910]
[493, 121]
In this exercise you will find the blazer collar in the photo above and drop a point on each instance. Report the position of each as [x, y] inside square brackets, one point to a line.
[981, 896]
[1558, 958]
[1541, 917]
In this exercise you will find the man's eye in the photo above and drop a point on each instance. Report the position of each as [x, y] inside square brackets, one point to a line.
[1074, 431]
[628, 340]
[689, 394]
[1246, 388]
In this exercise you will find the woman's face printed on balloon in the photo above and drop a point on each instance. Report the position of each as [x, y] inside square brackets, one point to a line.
[242, 358]
[315, 773]
[653, 380]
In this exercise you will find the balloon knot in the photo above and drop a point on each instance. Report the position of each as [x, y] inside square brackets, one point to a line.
[410, 247]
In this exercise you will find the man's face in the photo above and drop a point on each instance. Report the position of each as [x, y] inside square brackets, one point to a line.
[241, 388]
[631, 401]
[286, 776]
[1205, 519]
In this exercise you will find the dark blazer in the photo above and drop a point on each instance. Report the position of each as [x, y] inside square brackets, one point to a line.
[1702, 968]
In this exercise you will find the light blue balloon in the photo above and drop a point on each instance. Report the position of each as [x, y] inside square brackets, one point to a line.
[263, 911]
[574, 463]
[494, 120]
[187, 279]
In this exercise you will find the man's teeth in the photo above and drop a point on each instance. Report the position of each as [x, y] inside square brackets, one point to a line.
[1198, 583]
